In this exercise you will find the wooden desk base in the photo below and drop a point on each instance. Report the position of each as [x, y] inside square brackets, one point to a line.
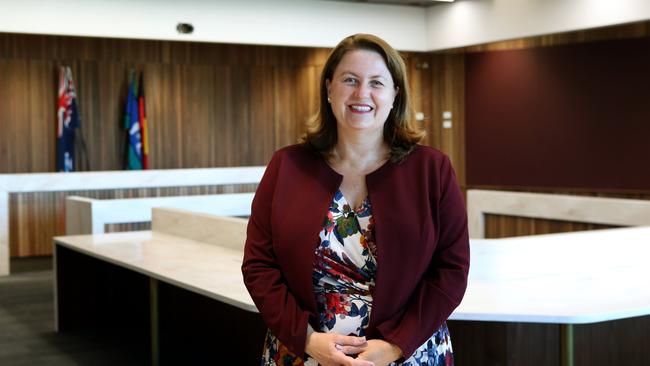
[167, 324]
[620, 342]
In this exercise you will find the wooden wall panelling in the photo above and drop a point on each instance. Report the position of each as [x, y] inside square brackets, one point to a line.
[532, 344]
[498, 226]
[448, 93]
[196, 120]
[613, 343]
[35, 217]
[262, 130]
[624, 31]
[207, 105]
[27, 112]
[504, 344]
[165, 115]
[501, 226]
[193, 91]
[102, 89]
[419, 77]
[306, 97]
[296, 97]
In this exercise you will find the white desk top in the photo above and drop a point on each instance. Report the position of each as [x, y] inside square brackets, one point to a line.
[200, 267]
[572, 278]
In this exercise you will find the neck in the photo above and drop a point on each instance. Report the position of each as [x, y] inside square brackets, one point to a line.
[360, 149]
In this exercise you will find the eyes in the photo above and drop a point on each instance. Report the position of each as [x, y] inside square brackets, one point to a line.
[374, 83]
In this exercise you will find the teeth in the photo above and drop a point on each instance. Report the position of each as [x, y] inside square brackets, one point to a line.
[361, 108]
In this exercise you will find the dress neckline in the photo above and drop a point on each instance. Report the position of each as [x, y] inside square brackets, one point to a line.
[357, 209]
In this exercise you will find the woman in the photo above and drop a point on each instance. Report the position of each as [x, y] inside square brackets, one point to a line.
[357, 248]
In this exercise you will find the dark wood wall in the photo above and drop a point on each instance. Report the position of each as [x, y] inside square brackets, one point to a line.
[222, 105]
[208, 105]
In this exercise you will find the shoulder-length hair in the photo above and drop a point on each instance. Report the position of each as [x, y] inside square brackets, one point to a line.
[400, 132]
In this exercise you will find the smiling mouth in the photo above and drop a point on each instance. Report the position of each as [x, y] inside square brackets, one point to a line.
[358, 108]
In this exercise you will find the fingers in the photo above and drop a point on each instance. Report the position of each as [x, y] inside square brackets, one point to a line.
[351, 350]
[350, 340]
[349, 361]
[357, 362]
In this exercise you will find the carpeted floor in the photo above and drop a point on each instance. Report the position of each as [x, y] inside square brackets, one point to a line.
[27, 334]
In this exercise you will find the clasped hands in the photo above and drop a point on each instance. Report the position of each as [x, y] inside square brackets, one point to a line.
[331, 349]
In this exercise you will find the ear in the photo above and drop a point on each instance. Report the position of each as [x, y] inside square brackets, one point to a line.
[328, 86]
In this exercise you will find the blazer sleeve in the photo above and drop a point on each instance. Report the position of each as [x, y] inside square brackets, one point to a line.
[443, 285]
[262, 274]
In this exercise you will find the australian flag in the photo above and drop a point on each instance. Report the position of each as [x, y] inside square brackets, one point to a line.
[68, 120]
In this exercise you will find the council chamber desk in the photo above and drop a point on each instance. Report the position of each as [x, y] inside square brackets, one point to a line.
[185, 299]
[549, 294]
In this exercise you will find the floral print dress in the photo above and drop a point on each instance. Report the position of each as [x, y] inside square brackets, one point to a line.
[344, 278]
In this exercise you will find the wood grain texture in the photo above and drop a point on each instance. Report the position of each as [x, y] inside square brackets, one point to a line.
[619, 342]
[35, 217]
[624, 31]
[448, 95]
[503, 226]
[504, 344]
[207, 104]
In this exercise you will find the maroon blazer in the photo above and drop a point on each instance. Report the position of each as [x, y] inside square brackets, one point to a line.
[420, 233]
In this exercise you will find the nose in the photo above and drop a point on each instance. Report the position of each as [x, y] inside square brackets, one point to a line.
[362, 91]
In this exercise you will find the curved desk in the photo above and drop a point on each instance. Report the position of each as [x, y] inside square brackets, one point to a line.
[566, 279]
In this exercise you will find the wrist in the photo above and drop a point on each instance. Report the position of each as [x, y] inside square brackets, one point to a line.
[309, 340]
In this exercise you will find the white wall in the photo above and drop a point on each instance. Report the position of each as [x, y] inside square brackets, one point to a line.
[273, 22]
[469, 22]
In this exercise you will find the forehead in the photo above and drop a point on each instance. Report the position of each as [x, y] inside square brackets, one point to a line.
[363, 62]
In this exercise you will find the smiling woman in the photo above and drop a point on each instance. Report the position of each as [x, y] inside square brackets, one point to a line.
[357, 248]
[400, 133]
[361, 92]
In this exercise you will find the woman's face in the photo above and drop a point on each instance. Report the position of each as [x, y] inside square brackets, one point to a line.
[361, 92]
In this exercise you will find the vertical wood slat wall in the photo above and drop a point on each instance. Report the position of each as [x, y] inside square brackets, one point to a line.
[36, 217]
[214, 104]
[208, 105]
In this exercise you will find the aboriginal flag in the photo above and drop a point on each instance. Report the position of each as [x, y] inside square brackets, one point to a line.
[135, 125]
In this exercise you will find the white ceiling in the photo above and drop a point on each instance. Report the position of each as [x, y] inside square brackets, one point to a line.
[423, 3]
[317, 23]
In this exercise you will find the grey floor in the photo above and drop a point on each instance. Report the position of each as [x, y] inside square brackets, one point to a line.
[27, 334]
